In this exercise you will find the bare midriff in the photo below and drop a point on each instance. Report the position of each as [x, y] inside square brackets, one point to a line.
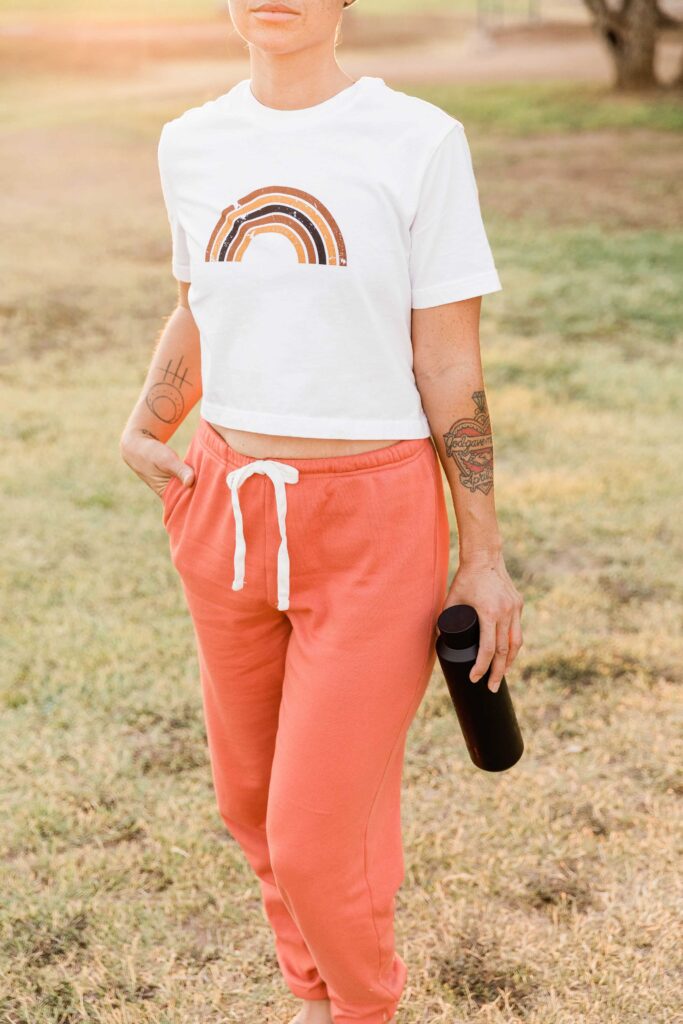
[281, 446]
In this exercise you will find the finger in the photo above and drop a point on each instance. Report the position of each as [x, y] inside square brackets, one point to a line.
[487, 648]
[185, 472]
[516, 639]
[172, 465]
[501, 653]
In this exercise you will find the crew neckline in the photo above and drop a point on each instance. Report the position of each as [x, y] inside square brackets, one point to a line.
[297, 115]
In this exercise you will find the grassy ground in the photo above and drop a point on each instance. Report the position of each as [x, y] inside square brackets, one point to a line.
[549, 894]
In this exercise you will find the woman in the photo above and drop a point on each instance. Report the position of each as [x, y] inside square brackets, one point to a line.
[331, 259]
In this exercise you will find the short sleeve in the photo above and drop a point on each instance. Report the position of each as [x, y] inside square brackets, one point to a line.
[450, 255]
[180, 255]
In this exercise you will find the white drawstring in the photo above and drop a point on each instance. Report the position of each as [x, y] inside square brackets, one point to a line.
[280, 474]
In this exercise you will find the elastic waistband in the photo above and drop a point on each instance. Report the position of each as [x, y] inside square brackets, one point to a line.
[401, 451]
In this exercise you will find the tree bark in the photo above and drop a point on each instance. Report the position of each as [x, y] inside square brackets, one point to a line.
[630, 35]
[678, 80]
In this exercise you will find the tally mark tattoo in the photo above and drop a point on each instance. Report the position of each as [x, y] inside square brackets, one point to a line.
[470, 443]
[165, 399]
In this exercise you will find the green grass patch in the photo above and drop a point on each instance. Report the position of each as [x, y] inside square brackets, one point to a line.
[578, 286]
[521, 108]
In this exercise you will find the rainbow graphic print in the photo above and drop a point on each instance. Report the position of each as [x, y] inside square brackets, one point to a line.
[297, 215]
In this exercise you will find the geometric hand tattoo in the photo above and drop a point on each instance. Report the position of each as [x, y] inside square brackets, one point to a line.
[165, 398]
[470, 443]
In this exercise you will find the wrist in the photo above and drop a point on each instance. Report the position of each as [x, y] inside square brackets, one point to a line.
[481, 554]
[132, 434]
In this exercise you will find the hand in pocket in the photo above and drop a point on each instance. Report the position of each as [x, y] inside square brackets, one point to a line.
[155, 462]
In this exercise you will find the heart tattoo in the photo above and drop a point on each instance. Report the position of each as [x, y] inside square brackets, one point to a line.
[470, 443]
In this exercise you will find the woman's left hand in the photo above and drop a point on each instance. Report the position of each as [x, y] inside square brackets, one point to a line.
[484, 583]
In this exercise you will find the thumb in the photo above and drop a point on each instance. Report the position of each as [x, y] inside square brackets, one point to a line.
[184, 472]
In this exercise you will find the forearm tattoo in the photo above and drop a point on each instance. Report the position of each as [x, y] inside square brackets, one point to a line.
[470, 444]
[165, 399]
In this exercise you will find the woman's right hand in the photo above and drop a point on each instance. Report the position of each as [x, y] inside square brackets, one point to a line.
[153, 461]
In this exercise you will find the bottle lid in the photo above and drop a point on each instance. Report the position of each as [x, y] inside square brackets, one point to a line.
[459, 626]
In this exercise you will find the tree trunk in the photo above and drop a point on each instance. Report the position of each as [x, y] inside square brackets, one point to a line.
[678, 80]
[630, 34]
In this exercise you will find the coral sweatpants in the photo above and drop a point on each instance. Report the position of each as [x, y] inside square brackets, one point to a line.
[314, 586]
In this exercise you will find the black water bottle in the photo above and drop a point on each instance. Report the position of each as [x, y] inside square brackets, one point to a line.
[487, 719]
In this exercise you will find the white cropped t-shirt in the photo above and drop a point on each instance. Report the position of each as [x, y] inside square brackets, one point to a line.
[308, 235]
